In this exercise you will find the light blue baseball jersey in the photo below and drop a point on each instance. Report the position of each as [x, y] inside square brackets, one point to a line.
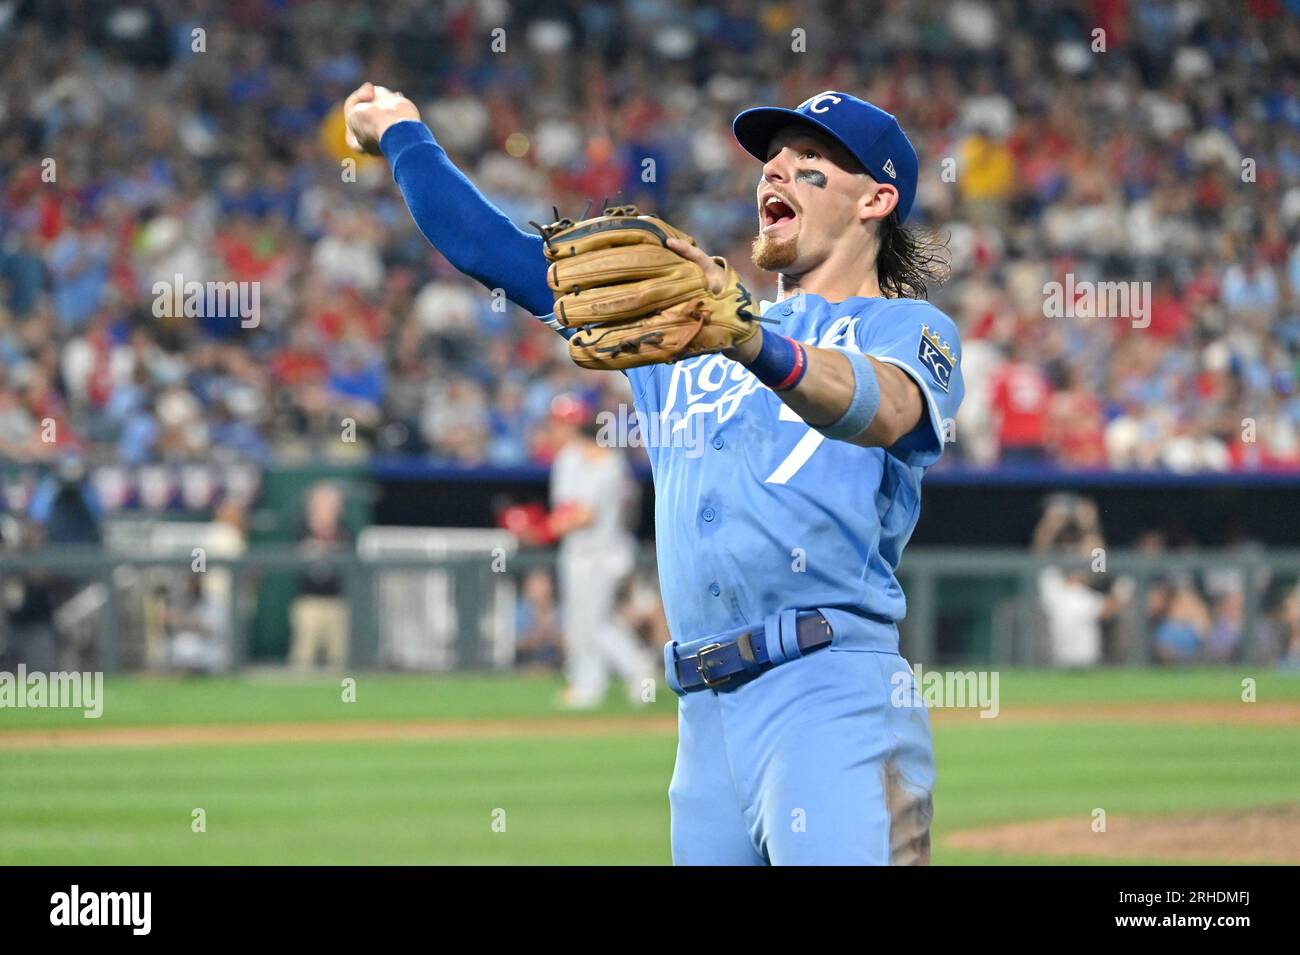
[756, 512]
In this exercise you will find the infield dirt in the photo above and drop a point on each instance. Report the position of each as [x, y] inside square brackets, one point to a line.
[1251, 714]
[1269, 836]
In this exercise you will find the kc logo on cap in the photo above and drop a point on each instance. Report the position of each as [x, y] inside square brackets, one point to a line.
[813, 103]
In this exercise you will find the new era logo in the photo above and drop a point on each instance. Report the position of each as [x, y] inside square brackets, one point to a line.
[889, 169]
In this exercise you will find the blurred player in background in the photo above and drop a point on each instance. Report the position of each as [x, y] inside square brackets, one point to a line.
[592, 496]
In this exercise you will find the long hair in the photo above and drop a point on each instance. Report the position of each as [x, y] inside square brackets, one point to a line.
[910, 260]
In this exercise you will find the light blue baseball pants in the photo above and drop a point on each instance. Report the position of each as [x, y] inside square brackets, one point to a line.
[814, 762]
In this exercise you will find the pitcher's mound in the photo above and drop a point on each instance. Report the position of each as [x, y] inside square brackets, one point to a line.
[1269, 835]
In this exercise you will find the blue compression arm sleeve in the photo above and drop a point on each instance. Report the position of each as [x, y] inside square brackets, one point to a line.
[460, 222]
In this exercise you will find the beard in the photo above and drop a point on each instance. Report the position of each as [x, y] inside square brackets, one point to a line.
[770, 254]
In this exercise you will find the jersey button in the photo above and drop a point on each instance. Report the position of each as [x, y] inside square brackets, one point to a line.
[717, 443]
[715, 589]
[708, 514]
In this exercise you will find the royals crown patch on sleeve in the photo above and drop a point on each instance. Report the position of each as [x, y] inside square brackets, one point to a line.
[937, 357]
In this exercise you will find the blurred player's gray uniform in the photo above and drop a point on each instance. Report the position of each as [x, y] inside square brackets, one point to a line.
[595, 562]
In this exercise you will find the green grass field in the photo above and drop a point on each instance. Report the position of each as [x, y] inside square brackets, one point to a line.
[580, 796]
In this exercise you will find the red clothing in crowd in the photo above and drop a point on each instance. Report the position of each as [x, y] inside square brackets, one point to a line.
[1021, 395]
[1078, 427]
[295, 367]
[1169, 318]
[332, 320]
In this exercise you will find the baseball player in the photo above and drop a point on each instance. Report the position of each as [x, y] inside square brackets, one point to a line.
[777, 546]
[592, 492]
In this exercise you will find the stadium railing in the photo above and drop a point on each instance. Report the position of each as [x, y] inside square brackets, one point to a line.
[964, 604]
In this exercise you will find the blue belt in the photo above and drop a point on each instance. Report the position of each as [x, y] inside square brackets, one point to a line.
[744, 652]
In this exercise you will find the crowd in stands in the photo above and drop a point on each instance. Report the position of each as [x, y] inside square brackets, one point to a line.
[153, 145]
[1156, 611]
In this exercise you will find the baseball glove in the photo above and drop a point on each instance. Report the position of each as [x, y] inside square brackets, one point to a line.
[632, 299]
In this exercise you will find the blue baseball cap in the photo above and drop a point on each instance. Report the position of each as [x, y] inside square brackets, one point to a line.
[871, 135]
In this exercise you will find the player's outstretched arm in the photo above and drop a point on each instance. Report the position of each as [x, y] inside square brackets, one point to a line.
[830, 385]
[458, 220]
[823, 385]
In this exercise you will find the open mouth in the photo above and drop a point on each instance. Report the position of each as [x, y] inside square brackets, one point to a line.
[776, 213]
